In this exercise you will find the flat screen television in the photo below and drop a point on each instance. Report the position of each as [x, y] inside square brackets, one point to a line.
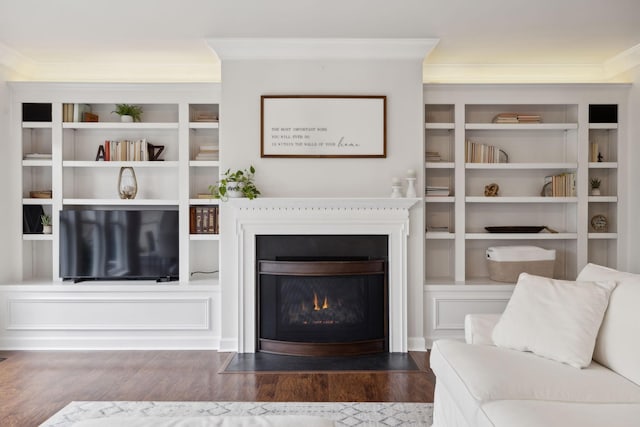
[119, 245]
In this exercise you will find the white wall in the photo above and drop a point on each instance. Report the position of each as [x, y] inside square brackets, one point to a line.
[634, 171]
[10, 188]
[400, 80]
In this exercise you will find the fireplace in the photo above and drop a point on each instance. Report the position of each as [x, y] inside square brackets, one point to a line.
[322, 294]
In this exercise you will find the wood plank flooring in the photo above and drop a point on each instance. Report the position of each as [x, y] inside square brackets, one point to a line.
[36, 384]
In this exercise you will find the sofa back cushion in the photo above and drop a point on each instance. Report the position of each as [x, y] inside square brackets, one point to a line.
[618, 342]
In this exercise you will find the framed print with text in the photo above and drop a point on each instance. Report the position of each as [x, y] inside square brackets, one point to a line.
[323, 126]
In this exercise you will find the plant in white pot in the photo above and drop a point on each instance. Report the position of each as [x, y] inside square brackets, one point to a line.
[128, 113]
[595, 186]
[239, 183]
[46, 224]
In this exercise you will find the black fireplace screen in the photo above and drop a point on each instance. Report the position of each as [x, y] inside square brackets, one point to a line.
[322, 309]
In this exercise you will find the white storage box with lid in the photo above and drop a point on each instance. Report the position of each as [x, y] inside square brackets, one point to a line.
[507, 262]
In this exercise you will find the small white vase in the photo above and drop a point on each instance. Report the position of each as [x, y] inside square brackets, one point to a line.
[595, 191]
[46, 229]
[234, 190]
[126, 119]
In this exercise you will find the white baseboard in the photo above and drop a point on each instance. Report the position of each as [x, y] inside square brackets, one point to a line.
[87, 342]
[417, 344]
[228, 344]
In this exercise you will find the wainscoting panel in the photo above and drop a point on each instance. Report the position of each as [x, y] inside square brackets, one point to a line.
[108, 313]
[109, 317]
[446, 306]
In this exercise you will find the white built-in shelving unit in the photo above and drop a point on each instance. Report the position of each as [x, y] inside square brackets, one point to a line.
[456, 272]
[173, 116]
[560, 143]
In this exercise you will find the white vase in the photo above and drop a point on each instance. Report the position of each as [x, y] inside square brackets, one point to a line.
[595, 191]
[126, 119]
[46, 229]
[234, 190]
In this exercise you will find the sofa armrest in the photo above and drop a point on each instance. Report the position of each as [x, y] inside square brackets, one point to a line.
[478, 328]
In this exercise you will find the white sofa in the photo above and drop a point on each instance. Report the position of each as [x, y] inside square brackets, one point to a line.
[479, 384]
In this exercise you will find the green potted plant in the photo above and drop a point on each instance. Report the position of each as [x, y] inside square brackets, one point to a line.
[595, 186]
[128, 112]
[46, 223]
[239, 183]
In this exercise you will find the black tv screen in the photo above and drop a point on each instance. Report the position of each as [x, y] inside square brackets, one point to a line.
[119, 244]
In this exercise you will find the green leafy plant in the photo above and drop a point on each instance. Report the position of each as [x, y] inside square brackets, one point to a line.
[595, 182]
[243, 177]
[134, 111]
[45, 219]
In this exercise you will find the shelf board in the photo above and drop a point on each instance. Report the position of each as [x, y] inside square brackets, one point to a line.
[204, 237]
[439, 165]
[37, 125]
[521, 126]
[204, 125]
[440, 199]
[204, 163]
[525, 199]
[121, 202]
[204, 202]
[478, 281]
[118, 125]
[102, 164]
[439, 235]
[603, 165]
[603, 199]
[549, 165]
[34, 201]
[37, 237]
[602, 236]
[603, 126]
[521, 236]
[37, 162]
[439, 125]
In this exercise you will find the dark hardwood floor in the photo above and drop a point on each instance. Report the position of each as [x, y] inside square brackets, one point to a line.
[36, 384]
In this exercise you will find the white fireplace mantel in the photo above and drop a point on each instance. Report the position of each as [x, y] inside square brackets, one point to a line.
[314, 216]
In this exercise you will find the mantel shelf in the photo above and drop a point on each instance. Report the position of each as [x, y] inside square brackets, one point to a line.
[325, 203]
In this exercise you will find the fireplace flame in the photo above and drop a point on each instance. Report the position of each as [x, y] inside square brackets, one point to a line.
[316, 303]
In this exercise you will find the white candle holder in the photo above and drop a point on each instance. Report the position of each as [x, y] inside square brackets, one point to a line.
[411, 188]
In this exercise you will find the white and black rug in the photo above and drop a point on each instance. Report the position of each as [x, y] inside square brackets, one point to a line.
[344, 414]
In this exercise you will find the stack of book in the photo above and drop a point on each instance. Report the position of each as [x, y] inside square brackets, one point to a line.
[517, 118]
[483, 153]
[126, 150]
[594, 151]
[437, 229]
[78, 113]
[204, 220]
[562, 185]
[37, 156]
[432, 190]
[432, 156]
[208, 152]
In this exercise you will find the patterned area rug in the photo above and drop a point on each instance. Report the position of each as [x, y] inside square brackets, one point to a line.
[344, 414]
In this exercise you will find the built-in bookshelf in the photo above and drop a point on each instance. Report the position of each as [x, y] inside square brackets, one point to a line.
[470, 144]
[77, 154]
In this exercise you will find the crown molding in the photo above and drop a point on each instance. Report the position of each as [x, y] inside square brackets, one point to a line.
[16, 62]
[514, 73]
[622, 62]
[320, 48]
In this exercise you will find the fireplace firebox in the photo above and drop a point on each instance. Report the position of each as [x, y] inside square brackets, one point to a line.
[322, 295]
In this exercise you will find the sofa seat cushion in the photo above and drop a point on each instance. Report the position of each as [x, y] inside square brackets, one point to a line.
[531, 413]
[476, 374]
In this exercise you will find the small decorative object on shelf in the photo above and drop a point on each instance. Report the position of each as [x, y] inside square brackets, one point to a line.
[491, 190]
[46, 224]
[595, 186]
[128, 113]
[396, 188]
[411, 180]
[127, 183]
[236, 184]
[41, 194]
[599, 223]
